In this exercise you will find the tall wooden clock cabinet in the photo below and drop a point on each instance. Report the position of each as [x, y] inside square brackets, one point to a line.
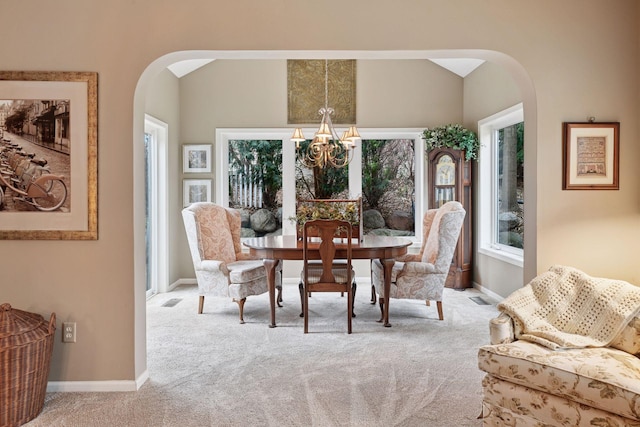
[449, 177]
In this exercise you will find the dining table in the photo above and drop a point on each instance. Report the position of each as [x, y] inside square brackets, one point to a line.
[274, 249]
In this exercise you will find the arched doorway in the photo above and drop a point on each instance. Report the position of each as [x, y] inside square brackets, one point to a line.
[512, 67]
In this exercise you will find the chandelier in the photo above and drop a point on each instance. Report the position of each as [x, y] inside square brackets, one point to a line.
[326, 148]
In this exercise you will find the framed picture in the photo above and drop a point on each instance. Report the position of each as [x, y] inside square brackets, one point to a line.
[196, 190]
[590, 156]
[51, 117]
[196, 158]
[306, 81]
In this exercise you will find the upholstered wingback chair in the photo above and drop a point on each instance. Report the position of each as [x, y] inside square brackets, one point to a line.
[222, 269]
[422, 276]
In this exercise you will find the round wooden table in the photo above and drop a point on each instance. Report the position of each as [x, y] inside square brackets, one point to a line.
[274, 249]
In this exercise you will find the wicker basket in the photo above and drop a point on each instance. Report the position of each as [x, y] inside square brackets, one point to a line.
[26, 343]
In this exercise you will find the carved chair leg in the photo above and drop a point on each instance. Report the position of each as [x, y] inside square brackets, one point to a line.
[350, 313]
[439, 304]
[279, 298]
[381, 300]
[373, 295]
[301, 289]
[305, 310]
[354, 288]
[241, 307]
[201, 304]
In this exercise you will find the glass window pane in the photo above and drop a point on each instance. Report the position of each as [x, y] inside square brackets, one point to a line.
[320, 183]
[510, 179]
[255, 184]
[388, 186]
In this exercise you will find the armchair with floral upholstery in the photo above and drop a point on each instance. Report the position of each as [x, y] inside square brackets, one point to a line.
[221, 268]
[532, 381]
[423, 276]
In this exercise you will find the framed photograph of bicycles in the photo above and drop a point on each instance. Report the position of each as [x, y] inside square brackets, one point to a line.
[48, 155]
[196, 158]
[591, 156]
[196, 190]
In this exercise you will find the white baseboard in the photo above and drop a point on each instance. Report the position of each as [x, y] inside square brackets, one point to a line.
[90, 386]
[97, 386]
[182, 282]
[488, 292]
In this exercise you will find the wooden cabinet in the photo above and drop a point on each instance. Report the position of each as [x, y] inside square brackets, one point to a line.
[449, 176]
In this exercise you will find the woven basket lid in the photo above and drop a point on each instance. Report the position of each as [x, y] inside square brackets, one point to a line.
[19, 327]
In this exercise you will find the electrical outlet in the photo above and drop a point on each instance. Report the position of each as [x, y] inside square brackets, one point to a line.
[69, 332]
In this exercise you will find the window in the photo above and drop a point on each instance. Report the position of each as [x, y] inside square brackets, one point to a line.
[255, 181]
[156, 229]
[388, 183]
[501, 191]
[404, 169]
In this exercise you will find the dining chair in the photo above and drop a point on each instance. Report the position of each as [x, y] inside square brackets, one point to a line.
[350, 209]
[423, 275]
[221, 268]
[327, 275]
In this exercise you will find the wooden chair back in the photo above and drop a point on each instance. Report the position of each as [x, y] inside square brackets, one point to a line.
[322, 272]
[343, 209]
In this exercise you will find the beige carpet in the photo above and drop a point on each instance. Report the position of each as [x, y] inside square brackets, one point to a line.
[208, 370]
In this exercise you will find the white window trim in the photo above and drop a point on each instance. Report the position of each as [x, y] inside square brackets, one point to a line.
[224, 135]
[489, 186]
[159, 257]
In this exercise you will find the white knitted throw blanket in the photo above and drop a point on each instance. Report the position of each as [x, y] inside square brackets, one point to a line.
[565, 308]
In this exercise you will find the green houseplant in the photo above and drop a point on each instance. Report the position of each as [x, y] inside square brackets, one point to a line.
[452, 136]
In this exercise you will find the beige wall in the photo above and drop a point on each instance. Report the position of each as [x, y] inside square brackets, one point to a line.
[162, 102]
[489, 90]
[573, 59]
[253, 93]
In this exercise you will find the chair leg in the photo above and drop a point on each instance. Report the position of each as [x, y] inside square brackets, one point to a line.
[373, 295]
[301, 289]
[381, 300]
[439, 304]
[241, 307]
[201, 304]
[354, 288]
[350, 314]
[279, 298]
[305, 310]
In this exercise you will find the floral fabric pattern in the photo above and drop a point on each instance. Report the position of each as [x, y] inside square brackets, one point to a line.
[411, 279]
[510, 405]
[213, 233]
[531, 385]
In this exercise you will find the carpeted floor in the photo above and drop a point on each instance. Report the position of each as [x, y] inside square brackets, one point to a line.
[208, 370]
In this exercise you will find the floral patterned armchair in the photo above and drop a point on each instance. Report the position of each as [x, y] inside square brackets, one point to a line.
[222, 269]
[422, 276]
[527, 384]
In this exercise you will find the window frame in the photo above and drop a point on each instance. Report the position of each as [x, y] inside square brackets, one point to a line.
[159, 205]
[488, 188]
[224, 135]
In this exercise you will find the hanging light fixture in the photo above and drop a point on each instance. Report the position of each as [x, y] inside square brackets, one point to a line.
[326, 148]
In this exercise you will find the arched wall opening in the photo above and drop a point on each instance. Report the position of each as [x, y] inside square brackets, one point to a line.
[512, 67]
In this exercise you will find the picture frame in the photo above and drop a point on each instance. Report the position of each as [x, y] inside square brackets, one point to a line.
[196, 190]
[591, 156]
[306, 80]
[196, 158]
[53, 115]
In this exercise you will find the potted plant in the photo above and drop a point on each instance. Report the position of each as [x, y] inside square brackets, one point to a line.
[343, 209]
[452, 136]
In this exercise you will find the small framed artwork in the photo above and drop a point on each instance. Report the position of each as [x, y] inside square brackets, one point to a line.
[196, 190]
[196, 158]
[591, 156]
